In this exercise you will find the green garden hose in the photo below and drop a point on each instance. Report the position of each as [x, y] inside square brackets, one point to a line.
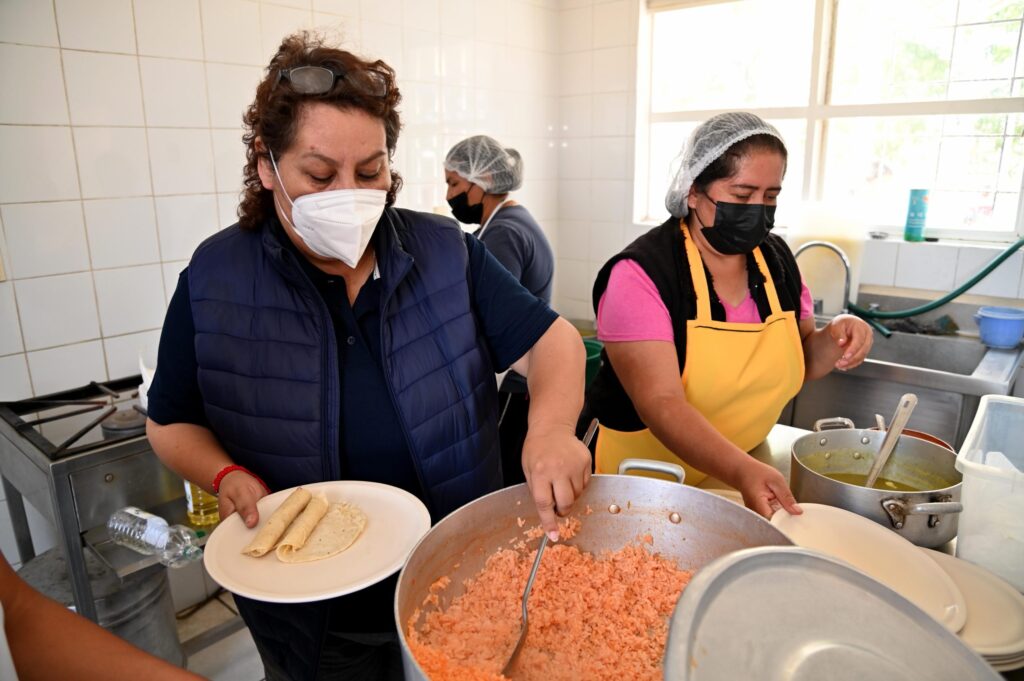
[870, 315]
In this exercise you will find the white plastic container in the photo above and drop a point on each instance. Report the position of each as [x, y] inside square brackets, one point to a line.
[991, 459]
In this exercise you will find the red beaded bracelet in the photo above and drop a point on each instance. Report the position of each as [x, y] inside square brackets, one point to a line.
[228, 469]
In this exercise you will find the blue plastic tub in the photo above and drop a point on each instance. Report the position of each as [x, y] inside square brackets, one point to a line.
[1000, 327]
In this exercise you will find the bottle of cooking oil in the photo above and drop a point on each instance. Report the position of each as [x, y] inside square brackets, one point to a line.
[202, 506]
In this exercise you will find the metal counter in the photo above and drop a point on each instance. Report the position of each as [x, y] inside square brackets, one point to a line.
[774, 451]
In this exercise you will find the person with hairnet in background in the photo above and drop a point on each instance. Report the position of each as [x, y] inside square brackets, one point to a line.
[480, 174]
[707, 326]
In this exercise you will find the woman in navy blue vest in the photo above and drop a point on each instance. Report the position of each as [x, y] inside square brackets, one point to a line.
[329, 335]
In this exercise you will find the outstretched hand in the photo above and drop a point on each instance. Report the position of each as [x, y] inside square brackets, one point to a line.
[765, 491]
[853, 336]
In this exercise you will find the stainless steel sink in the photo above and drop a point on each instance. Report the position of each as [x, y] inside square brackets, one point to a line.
[961, 365]
[948, 374]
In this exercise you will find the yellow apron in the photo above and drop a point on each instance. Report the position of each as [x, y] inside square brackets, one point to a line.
[739, 376]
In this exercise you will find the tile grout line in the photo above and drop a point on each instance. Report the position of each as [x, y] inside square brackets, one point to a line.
[83, 341]
[17, 315]
[112, 268]
[149, 154]
[78, 178]
[209, 119]
[113, 197]
[129, 54]
[14, 288]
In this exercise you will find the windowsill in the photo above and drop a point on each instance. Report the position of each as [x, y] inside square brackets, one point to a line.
[931, 267]
[894, 235]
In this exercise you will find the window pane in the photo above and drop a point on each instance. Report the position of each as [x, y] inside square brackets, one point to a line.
[722, 56]
[972, 164]
[667, 140]
[923, 51]
[985, 51]
[1012, 166]
[977, 11]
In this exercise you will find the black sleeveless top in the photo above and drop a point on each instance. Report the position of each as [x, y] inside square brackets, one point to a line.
[661, 254]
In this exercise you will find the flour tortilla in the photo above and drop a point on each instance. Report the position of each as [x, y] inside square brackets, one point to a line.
[278, 522]
[300, 529]
[335, 532]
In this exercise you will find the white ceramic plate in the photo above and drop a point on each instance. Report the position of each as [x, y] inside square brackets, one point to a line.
[396, 520]
[1005, 659]
[995, 610]
[1008, 666]
[880, 553]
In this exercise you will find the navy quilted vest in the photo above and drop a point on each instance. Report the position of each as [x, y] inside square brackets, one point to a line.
[268, 361]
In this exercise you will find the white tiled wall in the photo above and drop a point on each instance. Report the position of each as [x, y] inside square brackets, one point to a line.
[597, 83]
[120, 150]
[120, 144]
[941, 267]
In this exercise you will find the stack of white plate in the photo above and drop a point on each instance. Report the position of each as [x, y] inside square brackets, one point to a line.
[995, 612]
[983, 610]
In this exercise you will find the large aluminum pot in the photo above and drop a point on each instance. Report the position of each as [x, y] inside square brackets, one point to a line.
[927, 518]
[690, 525]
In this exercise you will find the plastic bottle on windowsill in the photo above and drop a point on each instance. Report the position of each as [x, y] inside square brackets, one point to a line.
[917, 212]
[148, 534]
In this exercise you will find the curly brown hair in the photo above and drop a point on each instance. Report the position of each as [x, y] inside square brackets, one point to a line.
[274, 114]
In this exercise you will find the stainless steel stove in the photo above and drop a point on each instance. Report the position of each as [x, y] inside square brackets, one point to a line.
[78, 456]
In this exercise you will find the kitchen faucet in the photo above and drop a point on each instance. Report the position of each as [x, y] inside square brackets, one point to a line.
[842, 256]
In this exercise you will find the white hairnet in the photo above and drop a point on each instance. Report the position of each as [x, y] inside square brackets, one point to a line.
[487, 164]
[710, 140]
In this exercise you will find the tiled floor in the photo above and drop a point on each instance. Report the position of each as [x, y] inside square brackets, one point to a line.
[231, 659]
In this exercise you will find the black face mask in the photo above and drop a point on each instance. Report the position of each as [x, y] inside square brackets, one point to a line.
[465, 213]
[739, 227]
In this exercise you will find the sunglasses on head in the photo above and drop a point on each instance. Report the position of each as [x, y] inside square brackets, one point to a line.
[320, 80]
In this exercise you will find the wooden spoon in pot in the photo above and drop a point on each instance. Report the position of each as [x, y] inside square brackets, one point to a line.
[892, 436]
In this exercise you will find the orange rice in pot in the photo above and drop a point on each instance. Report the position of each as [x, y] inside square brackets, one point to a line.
[591, 617]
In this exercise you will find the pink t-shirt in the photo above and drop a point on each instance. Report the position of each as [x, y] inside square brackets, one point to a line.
[631, 308]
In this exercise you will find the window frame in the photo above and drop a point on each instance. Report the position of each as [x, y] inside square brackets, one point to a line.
[817, 114]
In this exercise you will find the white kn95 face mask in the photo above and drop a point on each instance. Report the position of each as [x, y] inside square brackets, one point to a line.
[335, 224]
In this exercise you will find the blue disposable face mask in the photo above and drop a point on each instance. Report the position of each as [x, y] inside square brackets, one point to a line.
[739, 228]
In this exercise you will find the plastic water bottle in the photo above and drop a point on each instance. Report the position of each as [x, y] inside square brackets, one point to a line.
[148, 534]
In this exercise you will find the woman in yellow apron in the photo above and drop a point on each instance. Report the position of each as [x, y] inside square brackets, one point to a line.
[706, 323]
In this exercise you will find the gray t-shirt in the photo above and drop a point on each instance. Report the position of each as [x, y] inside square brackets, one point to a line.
[518, 242]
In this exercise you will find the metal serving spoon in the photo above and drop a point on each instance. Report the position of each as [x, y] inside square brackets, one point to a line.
[591, 429]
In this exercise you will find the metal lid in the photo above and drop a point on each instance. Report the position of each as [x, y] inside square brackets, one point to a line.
[791, 614]
[124, 421]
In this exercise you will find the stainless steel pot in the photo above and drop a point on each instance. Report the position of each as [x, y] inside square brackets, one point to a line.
[927, 518]
[689, 525]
